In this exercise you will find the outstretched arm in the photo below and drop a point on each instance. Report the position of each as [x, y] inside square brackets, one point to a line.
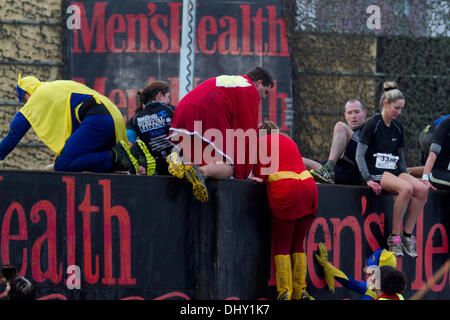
[17, 129]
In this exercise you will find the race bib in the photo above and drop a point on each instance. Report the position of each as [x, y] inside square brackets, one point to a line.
[385, 160]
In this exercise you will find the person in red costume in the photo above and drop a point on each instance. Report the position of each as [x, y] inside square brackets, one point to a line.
[210, 125]
[293, 199]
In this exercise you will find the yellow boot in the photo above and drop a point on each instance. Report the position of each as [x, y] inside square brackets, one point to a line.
[283, 275]
[299, 272]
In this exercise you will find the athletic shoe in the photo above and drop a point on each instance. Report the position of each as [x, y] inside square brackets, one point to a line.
[409, 244]
[123, 160]
[176, 166]
[197, 178]
[324, 174]
[143, 156]
[395, 245]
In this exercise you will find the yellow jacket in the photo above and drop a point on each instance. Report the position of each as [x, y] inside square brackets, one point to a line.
[49, 111]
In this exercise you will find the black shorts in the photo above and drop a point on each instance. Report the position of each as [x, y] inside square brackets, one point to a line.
[440, 179]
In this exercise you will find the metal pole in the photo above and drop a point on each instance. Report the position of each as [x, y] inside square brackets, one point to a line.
[187, 50]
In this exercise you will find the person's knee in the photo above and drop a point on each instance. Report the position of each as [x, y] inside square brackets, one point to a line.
[62, 164]
[340, 126]
[421, 192]
[406, 191]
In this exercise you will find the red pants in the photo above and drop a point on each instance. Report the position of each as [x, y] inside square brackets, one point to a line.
[288, 236]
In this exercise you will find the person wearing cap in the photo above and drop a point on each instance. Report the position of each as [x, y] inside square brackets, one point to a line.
[380, 257]
[151, 123]
[84, 128]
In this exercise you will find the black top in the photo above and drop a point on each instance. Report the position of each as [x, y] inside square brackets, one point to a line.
[441, 137]
[383, 145]
[152, 125]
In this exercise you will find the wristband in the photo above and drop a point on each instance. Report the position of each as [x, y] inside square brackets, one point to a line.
[425, 177]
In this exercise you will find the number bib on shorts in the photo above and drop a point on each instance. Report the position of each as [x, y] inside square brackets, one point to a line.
[385, 161]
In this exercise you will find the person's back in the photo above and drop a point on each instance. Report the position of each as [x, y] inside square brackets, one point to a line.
[151, 125]
[283, 153]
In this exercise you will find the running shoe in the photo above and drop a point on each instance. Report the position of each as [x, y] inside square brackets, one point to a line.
[324, 174]
[409, 244]
[197, 178]
[176, 166]
[123, 159]
[143, 156]
[395, 245]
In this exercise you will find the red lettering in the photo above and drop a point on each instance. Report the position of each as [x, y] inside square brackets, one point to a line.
[203, 31]
[131, 33]
[430, 250]
[312, 247]
[258, 34]
[15, 207]
[49, 236]
[86, 208]
[174, 85]
[230, 34]
[99, 84]
[97, 26]
[159, 33]
[125, 238]
[118, 97]
[70, 219]
[115, 24]
[418, 282]
[353, 224]
[274, 97]
[273, 24]
[246, 30]
[379, 220]
[175, 27]
[132, 101]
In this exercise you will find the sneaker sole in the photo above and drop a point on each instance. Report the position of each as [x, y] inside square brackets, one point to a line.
[198, 188]
[134, 161]
[149, 164]
[320, 178]
[176, 167]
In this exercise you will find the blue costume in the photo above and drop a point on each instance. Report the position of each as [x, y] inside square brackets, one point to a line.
[379, 258]
[77, 123]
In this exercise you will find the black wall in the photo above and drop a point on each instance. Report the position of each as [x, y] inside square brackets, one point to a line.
[137, 237]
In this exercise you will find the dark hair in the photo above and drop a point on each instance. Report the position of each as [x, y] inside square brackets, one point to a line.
[21, 289]
[150, 91]
[392, 281]
[259, 73]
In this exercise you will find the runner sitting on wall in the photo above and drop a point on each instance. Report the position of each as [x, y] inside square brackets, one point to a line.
[341, 166]
[436, 173]
[381, 162]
